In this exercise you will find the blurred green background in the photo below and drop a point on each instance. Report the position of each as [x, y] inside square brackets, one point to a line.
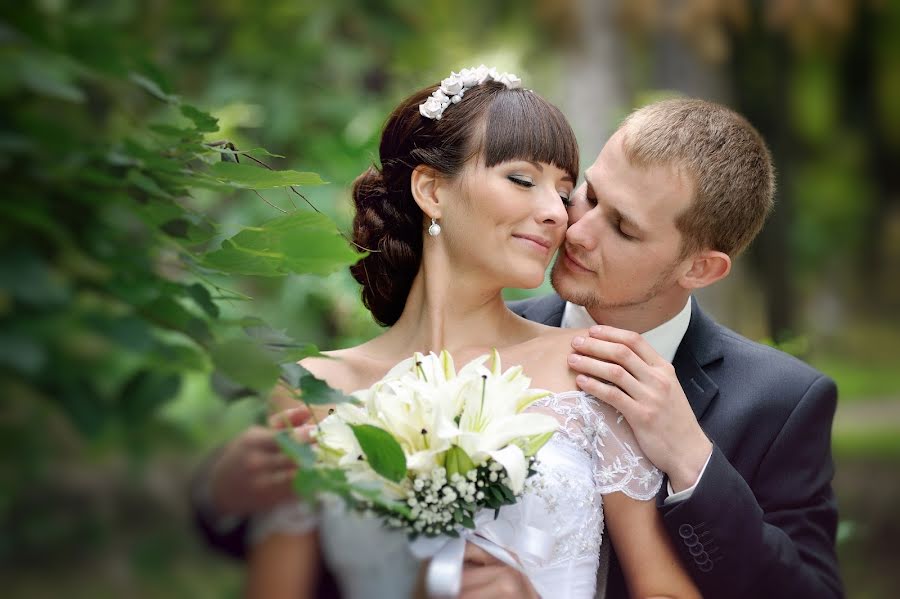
[98, 509]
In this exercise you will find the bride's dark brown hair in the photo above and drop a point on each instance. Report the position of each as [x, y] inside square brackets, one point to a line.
[492, 122]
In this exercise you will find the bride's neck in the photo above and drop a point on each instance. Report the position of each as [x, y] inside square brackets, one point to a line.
[452, 310]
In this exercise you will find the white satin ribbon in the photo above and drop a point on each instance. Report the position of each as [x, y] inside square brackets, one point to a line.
[516, 544]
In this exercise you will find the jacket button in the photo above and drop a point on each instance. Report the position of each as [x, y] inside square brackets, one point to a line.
[692, 540]
[697, 550]
[685, 530]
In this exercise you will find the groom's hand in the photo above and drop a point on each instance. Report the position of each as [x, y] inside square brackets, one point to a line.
[620, 368]
[484, 576]
[252, 473]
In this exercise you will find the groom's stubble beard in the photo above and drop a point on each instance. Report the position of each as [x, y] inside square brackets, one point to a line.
[596, 302]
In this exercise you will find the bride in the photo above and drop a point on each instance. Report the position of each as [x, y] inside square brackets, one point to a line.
[470, 198]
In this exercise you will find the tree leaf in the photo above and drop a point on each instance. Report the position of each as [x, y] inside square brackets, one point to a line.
[382, 451]
[299, 242]
[246, 363]
[253, 177]
[203, 121]
[314, 391]
[299, 452]
[152, 88]
[201, 296]
[144, 394]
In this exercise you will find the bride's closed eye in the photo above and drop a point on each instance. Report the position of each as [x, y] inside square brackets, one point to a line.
[527, 183]
[521, 181]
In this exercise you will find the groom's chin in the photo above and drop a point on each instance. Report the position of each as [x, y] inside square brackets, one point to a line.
[559, 281]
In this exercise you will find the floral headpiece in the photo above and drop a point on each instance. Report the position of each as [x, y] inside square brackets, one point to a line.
[453, 87]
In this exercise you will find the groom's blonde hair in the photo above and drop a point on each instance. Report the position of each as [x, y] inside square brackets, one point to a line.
[726, 159]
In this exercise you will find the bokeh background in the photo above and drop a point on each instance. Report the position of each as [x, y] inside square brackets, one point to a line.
[98, 508]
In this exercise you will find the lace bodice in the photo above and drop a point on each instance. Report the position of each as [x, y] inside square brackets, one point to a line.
[593, 453]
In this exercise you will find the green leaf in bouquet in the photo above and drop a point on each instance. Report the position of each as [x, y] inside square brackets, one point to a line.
[467, 521]
[203, 121]
[384, 454]
[373, 492]
[299, 242]
[457, 461]
[532, 444]
[246, 363]
[246, 176]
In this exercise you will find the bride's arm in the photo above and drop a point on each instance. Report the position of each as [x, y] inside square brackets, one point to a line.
[649, 562]
[283, 566]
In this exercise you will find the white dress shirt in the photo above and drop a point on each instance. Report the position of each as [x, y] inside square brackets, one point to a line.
[665, 339]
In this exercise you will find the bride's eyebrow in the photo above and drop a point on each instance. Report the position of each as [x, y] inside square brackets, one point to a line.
[540, 168]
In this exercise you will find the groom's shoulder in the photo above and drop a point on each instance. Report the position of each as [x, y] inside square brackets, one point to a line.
[546, 309]
[762, 360]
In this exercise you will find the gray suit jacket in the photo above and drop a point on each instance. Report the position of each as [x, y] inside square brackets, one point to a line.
[762, 521]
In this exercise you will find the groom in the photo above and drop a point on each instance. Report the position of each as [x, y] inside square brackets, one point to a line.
[741, 430]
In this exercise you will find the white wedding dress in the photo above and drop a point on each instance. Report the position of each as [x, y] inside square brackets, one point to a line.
[592, 454]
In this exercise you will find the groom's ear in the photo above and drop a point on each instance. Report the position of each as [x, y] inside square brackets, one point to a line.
[705, 268]
[424, 183]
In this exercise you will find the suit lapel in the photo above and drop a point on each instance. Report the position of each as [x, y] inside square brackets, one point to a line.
[698, 349]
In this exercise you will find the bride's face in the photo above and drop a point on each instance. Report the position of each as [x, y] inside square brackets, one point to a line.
[507, 221]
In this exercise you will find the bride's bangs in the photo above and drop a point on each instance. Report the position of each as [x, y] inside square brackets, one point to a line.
[523, 126]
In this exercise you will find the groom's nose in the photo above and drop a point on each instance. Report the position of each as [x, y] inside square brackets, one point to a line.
[581, 231]
[578, 204]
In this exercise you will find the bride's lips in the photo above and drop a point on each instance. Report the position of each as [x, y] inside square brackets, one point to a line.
[573, 264]
[540, 244]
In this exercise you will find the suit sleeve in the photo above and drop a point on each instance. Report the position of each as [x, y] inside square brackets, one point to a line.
[777, 540]
[229, 537]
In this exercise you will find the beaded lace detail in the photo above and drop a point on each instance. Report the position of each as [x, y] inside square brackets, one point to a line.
[593, 453]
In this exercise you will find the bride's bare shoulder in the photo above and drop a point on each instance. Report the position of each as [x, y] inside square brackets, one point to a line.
[545, 358]
[343, 369]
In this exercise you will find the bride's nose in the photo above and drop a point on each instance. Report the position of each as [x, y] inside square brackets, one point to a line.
[551, 211]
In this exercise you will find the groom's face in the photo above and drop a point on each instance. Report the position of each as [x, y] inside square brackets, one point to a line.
[622, 246]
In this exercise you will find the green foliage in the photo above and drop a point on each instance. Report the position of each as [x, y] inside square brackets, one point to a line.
[299, 242]
[382, 451]
[113, 288]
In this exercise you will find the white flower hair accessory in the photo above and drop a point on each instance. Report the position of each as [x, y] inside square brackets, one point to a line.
[454, 87]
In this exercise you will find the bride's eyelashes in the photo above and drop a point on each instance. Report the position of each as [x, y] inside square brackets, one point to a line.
[521, 181]
[527, 184]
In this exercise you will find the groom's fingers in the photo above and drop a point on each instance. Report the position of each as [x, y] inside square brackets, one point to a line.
[611, 352]
[605, 371]
[631, 340]
[608, 393]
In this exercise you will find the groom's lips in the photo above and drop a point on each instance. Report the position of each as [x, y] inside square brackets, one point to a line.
[573, 264]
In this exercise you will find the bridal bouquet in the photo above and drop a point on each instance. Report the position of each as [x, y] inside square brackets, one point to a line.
[439, 444]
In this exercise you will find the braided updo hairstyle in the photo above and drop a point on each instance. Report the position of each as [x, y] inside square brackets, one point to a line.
[492, 122]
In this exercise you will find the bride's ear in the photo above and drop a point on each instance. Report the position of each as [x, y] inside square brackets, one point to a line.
[424, 184]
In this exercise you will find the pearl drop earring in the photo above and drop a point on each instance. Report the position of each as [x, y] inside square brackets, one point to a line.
[435, 229]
